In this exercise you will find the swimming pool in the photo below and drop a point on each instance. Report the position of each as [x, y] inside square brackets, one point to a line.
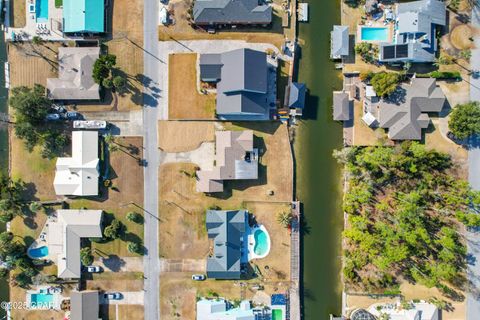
[41, 300]
[38, 252]
[262, 244]
[374, 34]
[41, 10]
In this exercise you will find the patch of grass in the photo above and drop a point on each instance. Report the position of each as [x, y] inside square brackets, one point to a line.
[58, 3]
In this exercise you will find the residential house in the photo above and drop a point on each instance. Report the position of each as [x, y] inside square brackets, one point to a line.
[295, 97]
[405, 112]
[340, 43]
[235, 159]
[78, 174]
[83, 16]
[342, 106]
[231, 12]
[64, 236]
[415, 35]
[75, 70]
[84, 305]
[416, 311]
[242, 83]
[226, 229]
[220, 309]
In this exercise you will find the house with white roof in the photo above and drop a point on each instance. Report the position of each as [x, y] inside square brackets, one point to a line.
[64, 236]
[78, 174]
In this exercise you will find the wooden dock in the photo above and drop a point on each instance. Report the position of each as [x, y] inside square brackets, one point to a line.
[295, 312]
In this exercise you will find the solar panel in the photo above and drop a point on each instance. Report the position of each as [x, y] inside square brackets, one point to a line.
[388, 52]
[402, 51]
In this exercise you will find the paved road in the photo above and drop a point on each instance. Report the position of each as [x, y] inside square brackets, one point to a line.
[472, 237]
[152, 92]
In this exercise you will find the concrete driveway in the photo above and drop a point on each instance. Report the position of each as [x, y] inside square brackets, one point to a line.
[202, 156]
[135, 297]
[474, 163]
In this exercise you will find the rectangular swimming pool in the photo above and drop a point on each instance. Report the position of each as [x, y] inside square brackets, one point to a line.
[41, 300]
[41, 10]
[374, 34]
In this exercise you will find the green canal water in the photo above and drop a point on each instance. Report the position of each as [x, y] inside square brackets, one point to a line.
[318, 175]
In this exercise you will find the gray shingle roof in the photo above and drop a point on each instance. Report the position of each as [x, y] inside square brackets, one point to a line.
[242, 89]
[210, 67]
[341, 106]
[226, 228]
[340, 42]
[75, 81]
[295, 95]
[404, 114]
[211, 12]
[84, 305]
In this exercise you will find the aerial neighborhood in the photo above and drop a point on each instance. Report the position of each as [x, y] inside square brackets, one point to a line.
[240, 159]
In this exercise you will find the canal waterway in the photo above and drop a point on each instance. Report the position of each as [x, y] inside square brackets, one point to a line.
[318, 174]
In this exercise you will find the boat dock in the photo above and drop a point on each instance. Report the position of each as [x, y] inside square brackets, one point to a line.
[302, 12]
[294, 294]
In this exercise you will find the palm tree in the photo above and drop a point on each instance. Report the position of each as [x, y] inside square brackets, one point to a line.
[36, 40]
[284, 218]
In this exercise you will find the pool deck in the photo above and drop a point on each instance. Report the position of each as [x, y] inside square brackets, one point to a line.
[53, 24]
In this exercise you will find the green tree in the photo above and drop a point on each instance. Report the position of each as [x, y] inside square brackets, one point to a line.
[113, 231]
[86, 256]
[284, 218]
[107, 83]
[6, 236]
[385, 83]
[6, 217]
[34, 206]
[134, 247]
[36, 40]
[465, 120]
[135, 217]
[119, 82]
[102, 68]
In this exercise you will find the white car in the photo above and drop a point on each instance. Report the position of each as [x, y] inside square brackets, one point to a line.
[94, 269]
[113, 296]
[52, 117]
[199, 277]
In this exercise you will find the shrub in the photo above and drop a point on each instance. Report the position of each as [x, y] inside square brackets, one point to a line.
[86, 256]
[135, 217]
[465, 120]
[113, 230]
[385, 83]
[119, 82]
[135, 247]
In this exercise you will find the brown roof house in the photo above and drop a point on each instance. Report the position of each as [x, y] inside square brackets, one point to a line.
[75, 69]
[235, 159]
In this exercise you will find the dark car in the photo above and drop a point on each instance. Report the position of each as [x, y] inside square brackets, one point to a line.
[72, 115]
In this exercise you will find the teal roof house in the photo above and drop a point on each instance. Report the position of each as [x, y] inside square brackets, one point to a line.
[83, 16]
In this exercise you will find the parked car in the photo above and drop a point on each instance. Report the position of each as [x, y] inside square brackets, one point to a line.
[52, 117]
[113, 295]
[72, 115]
[199, 277]
[59, 108]
[94, 269]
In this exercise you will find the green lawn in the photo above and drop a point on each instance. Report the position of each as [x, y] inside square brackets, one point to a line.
[58, 3]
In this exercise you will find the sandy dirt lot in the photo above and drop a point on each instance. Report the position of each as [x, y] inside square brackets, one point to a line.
[184, 99]
[17, 13]
[124, 312]
[181, 30]
[181, 136]
[31, 64]
[363, 135]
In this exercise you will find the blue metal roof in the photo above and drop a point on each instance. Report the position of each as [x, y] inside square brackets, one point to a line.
[83, 16]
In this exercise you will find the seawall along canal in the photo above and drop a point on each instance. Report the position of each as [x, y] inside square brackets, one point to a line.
[318, 175]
